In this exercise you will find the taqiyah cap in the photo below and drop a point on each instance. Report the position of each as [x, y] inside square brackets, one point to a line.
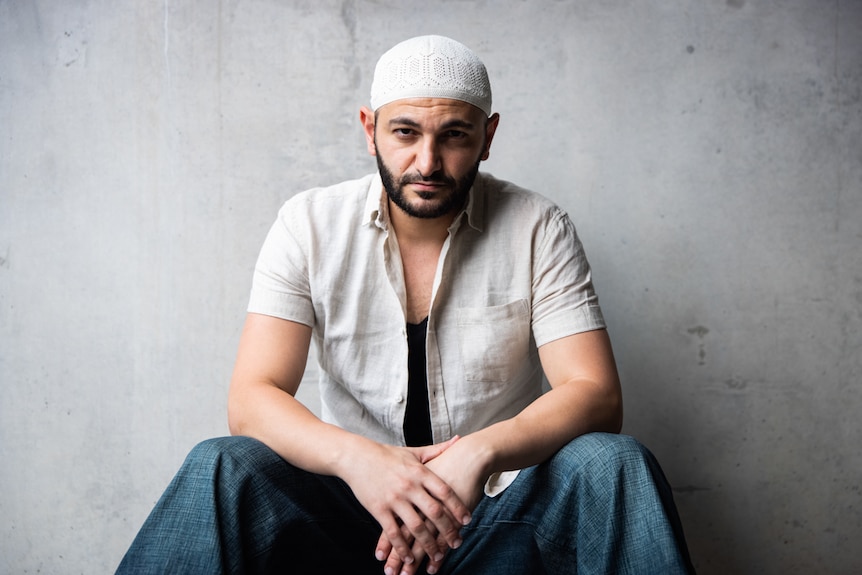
[431, 67]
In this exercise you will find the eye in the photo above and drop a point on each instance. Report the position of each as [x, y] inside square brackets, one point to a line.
[403, 132]
[455, 134]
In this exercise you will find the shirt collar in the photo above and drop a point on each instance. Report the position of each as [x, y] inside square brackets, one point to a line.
[377, 209]
[475, 209]
[376, 213]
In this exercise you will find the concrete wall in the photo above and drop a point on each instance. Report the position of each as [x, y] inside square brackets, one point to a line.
[709, 151]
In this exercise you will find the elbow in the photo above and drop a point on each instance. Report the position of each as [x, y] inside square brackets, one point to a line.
[613, 411]
[235, 419]
[233, 424]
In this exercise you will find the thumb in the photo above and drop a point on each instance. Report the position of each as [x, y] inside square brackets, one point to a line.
[428, 452]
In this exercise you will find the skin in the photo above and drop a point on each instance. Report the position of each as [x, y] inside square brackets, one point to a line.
[420, 496]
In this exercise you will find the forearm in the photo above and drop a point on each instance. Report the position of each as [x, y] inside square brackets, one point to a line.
[273, 416]
[585, 397]
[261, 404]
[547, 424]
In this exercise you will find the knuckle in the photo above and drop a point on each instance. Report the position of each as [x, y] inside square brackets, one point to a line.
[393, 533]
[416, 525]
[403, 484]
[448, 533]
[435, 511]
[442, 490]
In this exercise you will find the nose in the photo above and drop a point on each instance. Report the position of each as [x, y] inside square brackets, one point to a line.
[428, 157]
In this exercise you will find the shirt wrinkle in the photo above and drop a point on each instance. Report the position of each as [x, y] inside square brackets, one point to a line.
[512, 279]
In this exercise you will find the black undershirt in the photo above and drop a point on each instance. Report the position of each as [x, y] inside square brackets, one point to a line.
[417, 419]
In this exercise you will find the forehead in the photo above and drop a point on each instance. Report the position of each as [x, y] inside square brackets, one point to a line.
[431, 111]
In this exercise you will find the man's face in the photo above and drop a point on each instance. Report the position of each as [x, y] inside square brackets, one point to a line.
[428, 152]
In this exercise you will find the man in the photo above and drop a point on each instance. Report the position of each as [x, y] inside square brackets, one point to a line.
[437, 297]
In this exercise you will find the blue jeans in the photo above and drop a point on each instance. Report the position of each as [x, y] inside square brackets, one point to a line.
[600, 505]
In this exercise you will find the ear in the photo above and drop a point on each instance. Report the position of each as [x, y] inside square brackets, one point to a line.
[366, 118]
[490, 130]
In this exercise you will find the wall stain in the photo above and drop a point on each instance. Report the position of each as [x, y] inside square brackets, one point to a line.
[71, 48]
[736, 383]
[700, 331]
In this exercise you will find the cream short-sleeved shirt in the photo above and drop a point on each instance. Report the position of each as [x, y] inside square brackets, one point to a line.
[512, 276]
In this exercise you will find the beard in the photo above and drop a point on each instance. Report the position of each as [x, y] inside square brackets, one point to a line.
[455, 200]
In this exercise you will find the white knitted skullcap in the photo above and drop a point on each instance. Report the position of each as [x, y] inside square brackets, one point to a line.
[431, 67]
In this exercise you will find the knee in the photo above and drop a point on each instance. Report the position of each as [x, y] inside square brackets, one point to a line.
[617, 447]
[217, 446]
[233, 452]
[602, 454]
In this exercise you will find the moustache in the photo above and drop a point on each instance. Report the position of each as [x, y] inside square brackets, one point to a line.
[435, 178]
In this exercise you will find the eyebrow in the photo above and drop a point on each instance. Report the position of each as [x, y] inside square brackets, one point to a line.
[448, 125]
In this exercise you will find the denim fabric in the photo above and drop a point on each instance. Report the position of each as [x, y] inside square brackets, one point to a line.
[600, 505]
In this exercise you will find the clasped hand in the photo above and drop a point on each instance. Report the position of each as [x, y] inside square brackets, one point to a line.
[421, 497]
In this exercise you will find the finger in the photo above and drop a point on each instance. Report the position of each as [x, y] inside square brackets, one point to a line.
[419, 553]
[395, 567]
[384, 547]
[435, 562]
[393, 533]
[433, 567]
[427, 453]
[424, 534]
[446, 511]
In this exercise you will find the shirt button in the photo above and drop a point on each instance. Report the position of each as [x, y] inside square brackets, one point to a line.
[399, 399]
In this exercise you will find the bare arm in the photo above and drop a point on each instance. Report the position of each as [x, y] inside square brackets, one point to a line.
[391, 482]
[585, 397]
[261, 404]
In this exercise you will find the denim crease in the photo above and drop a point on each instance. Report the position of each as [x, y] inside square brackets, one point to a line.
[600, 505]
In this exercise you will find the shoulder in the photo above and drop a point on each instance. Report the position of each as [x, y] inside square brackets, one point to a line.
[329, 205]
[347, 192]
[502, 200]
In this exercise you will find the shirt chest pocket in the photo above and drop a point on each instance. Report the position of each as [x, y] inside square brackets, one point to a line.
[494, 341]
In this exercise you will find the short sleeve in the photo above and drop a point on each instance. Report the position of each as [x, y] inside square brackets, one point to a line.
[564, 300]
[280, 286]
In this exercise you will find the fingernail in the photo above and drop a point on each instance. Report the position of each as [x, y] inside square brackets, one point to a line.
[380, 557]
[457, 544]
[407, 560]
[431, 570]
[438, 557]
[388, 571]
[466, 519]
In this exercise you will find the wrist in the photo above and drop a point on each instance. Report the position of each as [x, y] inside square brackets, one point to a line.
[346, 454]
[482, 453]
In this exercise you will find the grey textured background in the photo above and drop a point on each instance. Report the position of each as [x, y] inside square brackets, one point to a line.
[710, 153]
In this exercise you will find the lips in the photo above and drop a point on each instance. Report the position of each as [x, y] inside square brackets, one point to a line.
[428, 186]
